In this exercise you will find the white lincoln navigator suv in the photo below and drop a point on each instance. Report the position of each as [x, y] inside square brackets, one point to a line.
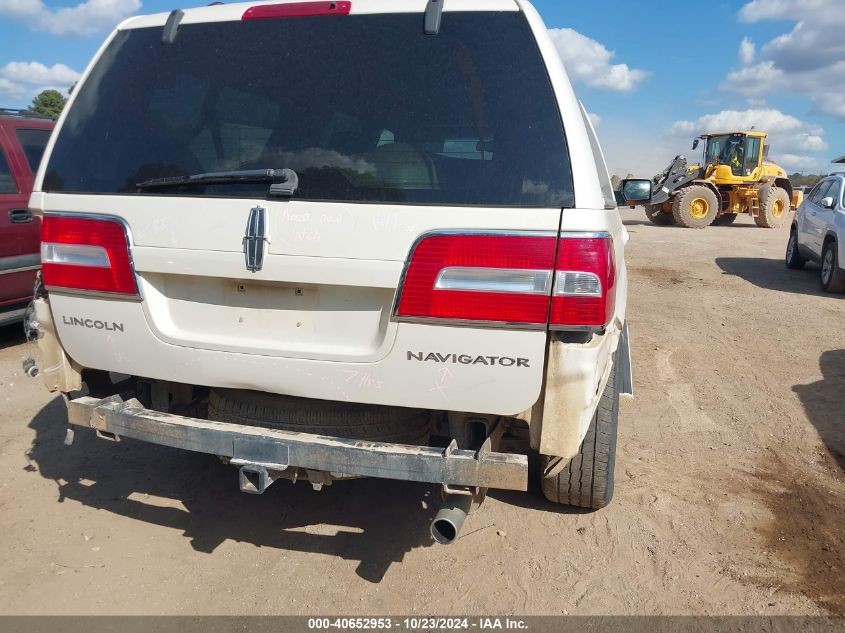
[326, 240]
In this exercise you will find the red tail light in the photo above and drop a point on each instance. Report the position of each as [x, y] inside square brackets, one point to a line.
[297, 10]
[585, 279]
[86, 254]
[509, 279]
[499, 278]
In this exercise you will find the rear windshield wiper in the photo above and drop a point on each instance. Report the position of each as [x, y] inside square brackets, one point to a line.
[284, 181]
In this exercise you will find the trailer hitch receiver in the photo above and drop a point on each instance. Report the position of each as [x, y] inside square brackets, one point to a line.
[254, 479]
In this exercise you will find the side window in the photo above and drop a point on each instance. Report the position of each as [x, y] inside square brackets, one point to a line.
[820, 192]
[33, 143]
[835, 191]
[598, 158]
[7, 181]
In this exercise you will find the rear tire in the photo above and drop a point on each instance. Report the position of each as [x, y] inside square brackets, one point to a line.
[587, 480]
[321, 417]
[794, 261]
[831, 276]
[774, 208]
[655, 213]
[695, 207]
[726, 219]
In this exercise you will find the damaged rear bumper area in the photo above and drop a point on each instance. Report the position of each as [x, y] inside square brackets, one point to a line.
[264, 455]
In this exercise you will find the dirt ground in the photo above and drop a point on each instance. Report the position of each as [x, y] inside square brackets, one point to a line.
[728, 500]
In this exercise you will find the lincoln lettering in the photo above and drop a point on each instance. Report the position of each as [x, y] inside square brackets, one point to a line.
[465, 359]
[93, 324]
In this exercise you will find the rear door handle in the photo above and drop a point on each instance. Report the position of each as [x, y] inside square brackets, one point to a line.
[20, 216]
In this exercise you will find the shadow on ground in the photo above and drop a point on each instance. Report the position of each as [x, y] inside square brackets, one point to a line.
[822, 401]
[739, 224]
[11, 335]
[772, 274]
[641, 223]
[375, 522]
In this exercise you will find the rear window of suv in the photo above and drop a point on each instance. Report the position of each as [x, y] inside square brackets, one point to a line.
[364, 108]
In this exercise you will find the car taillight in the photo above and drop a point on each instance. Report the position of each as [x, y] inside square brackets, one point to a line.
[297, 10]
[518, 280]
[86, 254]
[585, 278]
[466, 277]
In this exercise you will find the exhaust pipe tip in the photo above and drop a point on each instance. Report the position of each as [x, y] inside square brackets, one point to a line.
[450, 519]
[444, 531]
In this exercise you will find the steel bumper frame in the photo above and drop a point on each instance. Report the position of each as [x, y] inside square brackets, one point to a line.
[279, 450]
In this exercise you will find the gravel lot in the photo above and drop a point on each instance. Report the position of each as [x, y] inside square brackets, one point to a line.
[729, 484]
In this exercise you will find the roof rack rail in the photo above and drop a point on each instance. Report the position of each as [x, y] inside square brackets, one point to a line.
[23, 113]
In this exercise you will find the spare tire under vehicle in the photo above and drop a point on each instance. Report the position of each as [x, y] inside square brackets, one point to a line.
[350, 420]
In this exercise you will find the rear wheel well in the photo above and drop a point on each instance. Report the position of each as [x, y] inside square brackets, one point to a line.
[784, 183]
[830, 237]
[708, 184]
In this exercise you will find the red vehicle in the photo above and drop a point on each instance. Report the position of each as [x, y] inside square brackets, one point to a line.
[23, 138]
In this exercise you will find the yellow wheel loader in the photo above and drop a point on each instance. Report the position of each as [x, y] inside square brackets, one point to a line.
[734, 178]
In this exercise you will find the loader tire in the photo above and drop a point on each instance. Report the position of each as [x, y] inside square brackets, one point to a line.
[655, 213]
[695, 207]
[587, 480]
[774, 208]
[348, 420]
[726, 219]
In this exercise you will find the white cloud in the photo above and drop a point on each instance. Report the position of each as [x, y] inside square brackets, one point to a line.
[37, 73]
[793, 162]
[832, 104]
[759, 10]
[747, 51]
[790, 138]
[808, 60]
[629, 148]
[86, 18]
[20, 81]
[589, 62]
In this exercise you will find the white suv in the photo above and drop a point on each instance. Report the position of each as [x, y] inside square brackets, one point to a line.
[340, 239]
[818, 233]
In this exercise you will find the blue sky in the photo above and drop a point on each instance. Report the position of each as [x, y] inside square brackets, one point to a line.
[652, 75]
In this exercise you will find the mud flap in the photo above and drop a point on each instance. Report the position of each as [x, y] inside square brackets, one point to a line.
[626, 367]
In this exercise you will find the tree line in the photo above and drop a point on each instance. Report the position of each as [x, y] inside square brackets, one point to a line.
[49, 103]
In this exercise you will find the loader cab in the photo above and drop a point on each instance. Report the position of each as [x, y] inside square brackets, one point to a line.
[734, 157]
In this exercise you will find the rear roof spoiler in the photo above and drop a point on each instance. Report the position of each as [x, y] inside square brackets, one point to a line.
[433, 16]
[168, 33]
